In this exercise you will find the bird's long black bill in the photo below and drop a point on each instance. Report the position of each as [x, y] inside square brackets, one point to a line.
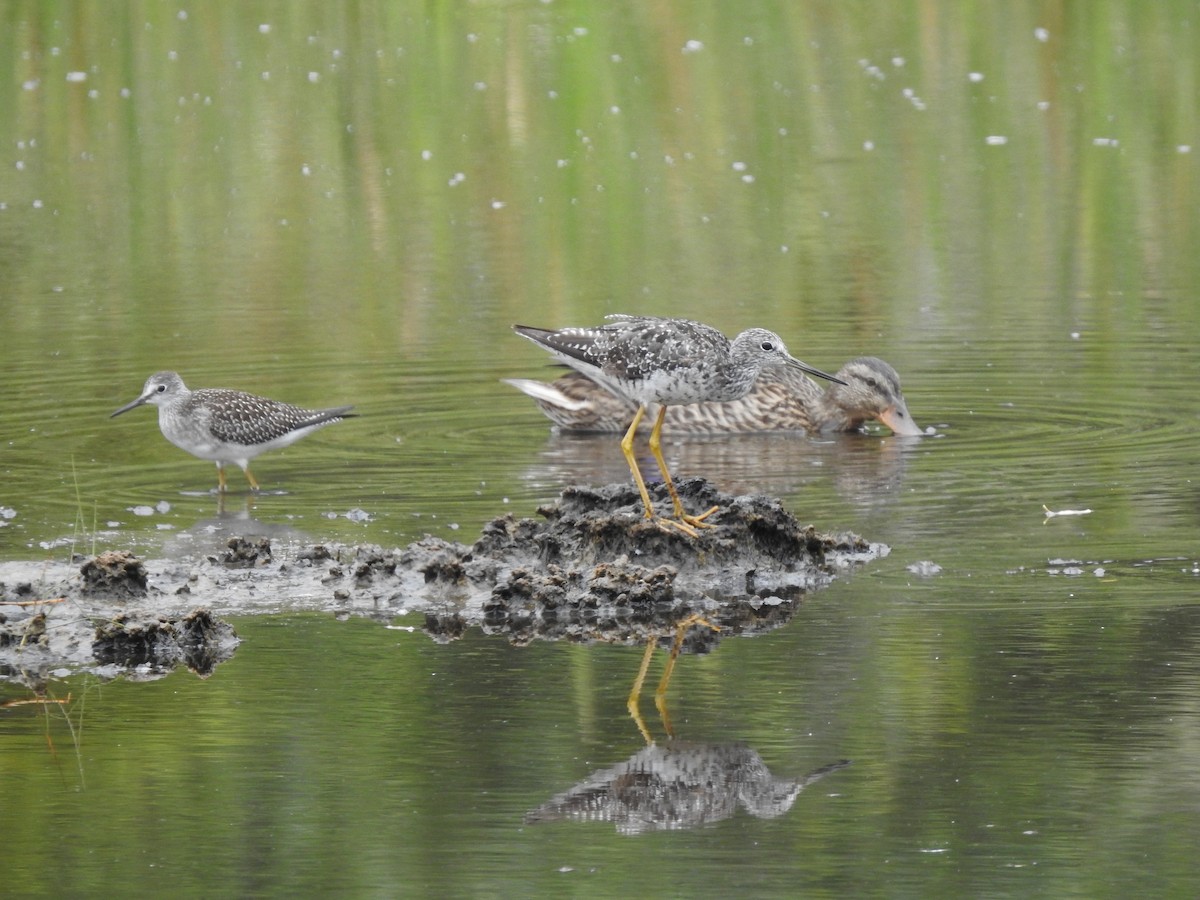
[805, 367]
[128, 406]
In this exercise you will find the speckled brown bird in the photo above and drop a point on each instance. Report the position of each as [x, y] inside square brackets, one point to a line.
[782, 399]
[668, 363]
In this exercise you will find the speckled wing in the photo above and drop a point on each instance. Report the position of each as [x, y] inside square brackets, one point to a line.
[640, 348]
[572, 345]
[240, 418]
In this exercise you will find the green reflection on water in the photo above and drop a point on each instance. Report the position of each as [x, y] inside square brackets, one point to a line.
[356, 202]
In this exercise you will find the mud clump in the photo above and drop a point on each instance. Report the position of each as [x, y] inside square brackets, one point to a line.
[588, 567]
[115, 575]
[198, 640]
[30, 632]
[244, 554]
[594, 568]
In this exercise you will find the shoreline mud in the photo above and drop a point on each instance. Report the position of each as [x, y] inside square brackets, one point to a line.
[588, 567]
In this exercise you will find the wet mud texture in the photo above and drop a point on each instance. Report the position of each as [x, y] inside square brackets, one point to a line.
[594, 568]
[589, 567]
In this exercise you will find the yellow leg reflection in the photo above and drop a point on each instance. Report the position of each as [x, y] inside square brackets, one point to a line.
[660, 693]
[632, 703]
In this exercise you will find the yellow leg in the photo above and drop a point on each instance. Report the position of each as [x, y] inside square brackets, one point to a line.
[693, 522]
[660, 693]
[220, 478]
[627, 449]
[250, 478]
[632, 703]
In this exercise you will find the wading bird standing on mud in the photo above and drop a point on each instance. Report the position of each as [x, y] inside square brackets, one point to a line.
[669, 362]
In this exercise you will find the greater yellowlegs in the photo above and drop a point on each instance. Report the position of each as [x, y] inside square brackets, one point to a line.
[782, 399]
[669, 362]
[228, 426]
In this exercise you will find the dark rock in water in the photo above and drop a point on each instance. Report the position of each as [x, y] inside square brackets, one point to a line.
[114, 574]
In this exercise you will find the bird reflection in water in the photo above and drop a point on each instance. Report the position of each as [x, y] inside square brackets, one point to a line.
[676, 784]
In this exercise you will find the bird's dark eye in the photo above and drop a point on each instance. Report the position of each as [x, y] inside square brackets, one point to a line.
[162, 388]
[872, 383]
[767, 346]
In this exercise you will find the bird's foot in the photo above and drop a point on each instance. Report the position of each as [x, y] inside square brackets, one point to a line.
[698, 521]
[673, 525]
[686, 523]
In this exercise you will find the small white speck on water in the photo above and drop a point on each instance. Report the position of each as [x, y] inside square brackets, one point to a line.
[693, 46]
[995, 140]
[975, 77]
[1041, 34]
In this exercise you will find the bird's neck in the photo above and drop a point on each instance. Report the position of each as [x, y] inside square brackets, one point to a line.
[737, 379]
[831, 416]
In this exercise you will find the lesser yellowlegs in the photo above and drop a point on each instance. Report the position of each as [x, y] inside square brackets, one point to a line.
[782, 399]
[228, 426]
[669, 362]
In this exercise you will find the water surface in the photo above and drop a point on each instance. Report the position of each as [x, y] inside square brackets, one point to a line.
[353, 204]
